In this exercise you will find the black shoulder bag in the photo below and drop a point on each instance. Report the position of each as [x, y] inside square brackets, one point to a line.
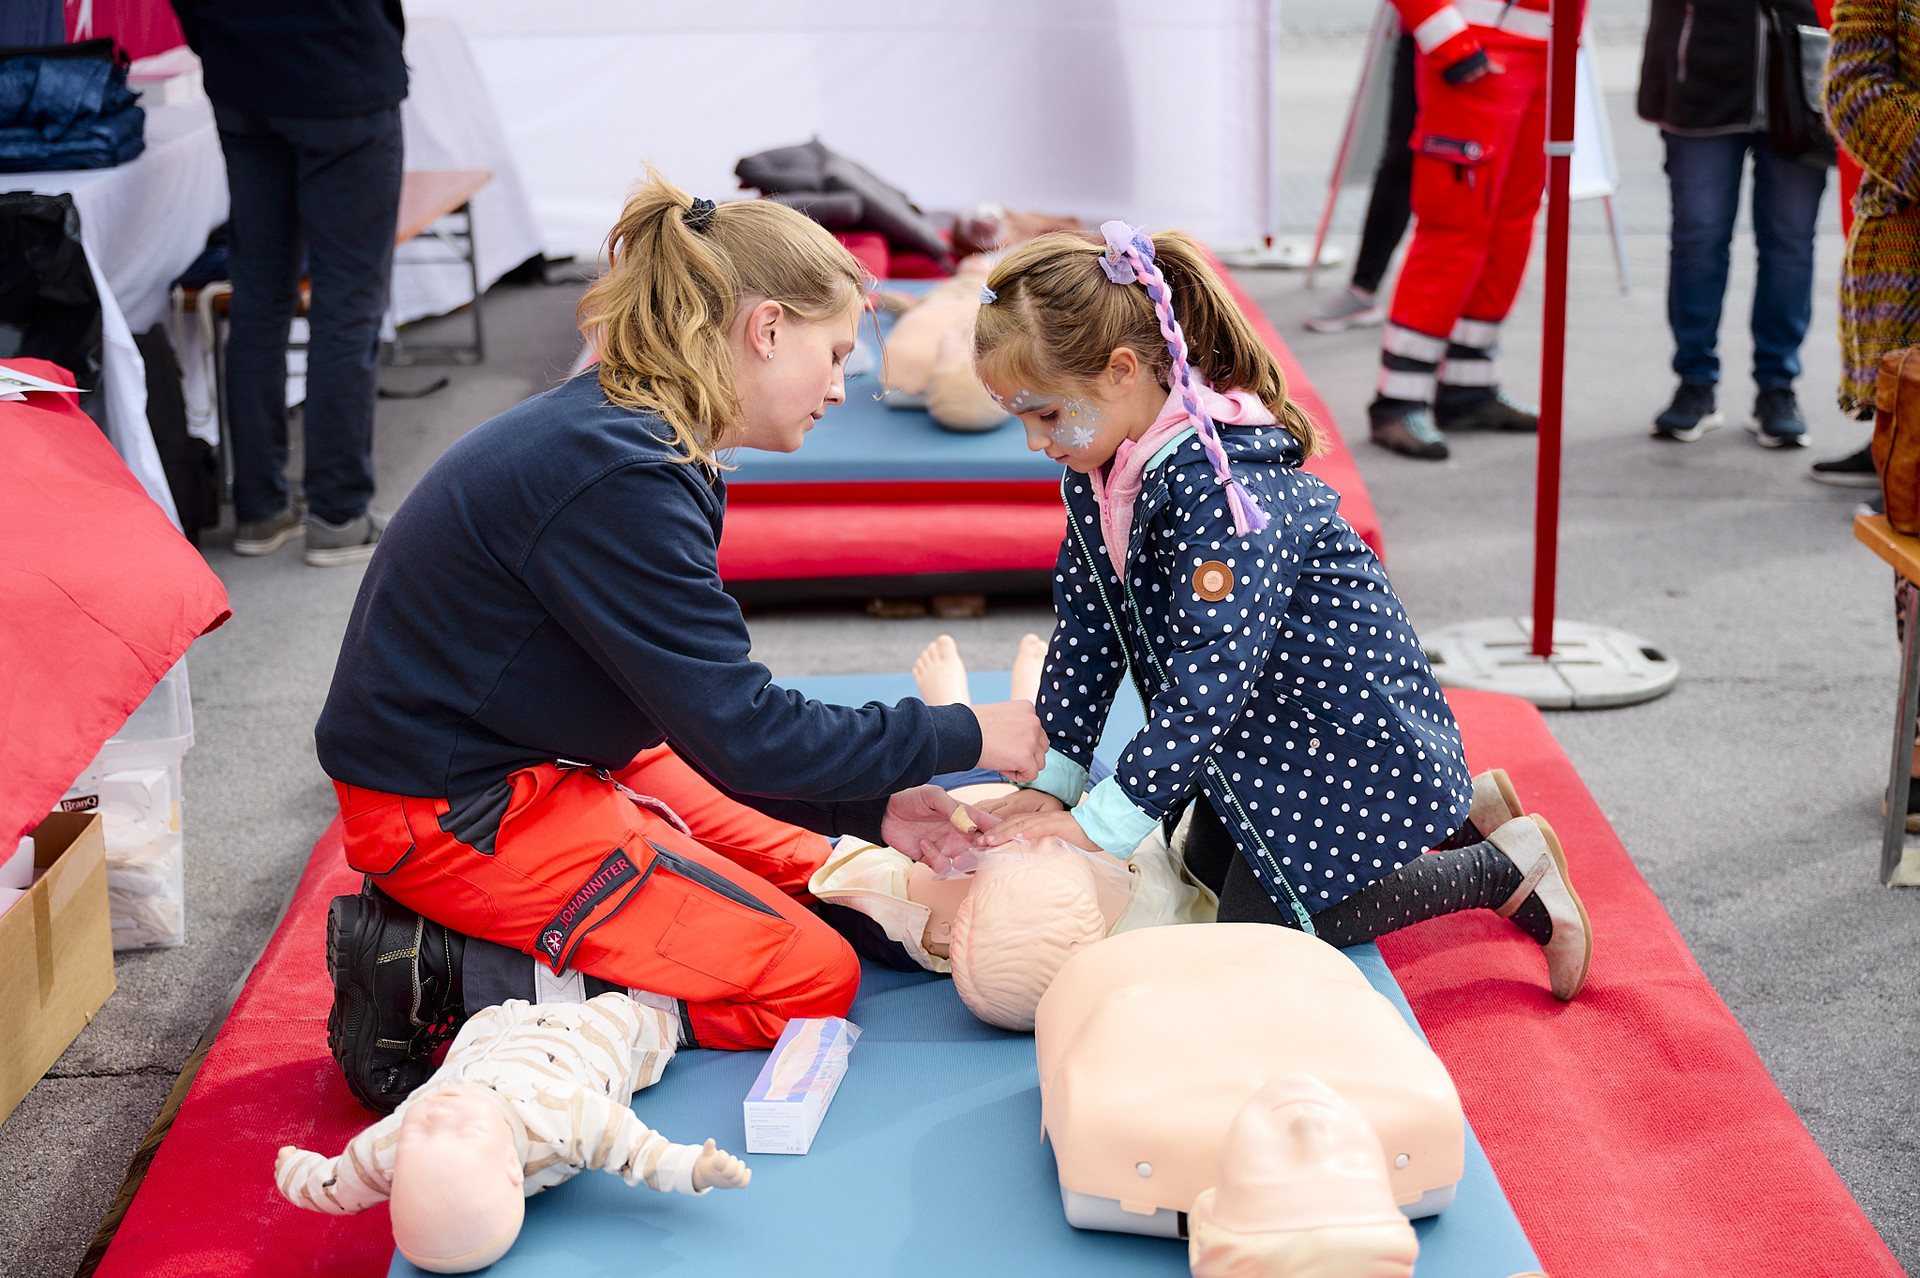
[1796, 74]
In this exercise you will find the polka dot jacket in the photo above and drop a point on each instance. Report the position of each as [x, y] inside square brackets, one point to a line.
[1280, 675]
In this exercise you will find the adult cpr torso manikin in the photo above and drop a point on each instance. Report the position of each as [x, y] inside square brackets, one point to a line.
[1152, 1042]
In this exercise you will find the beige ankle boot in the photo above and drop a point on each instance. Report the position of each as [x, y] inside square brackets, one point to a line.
[1494, 801]
[1529, 842]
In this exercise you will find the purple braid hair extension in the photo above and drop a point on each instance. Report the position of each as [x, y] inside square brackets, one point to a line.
[1129, 259]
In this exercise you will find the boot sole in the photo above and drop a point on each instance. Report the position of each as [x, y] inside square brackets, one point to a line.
[1566, 881]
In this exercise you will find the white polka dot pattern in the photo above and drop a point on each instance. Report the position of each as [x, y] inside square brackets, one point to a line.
[1301, 705]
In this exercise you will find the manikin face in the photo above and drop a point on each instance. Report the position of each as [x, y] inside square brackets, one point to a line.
[1081, 428]
[783, 396]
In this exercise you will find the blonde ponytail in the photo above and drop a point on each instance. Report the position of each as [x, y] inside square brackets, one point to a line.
[662, 313]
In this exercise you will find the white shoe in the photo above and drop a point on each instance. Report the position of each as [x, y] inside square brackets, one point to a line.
[1530, 843]
[1349, 308]
[1494, 801]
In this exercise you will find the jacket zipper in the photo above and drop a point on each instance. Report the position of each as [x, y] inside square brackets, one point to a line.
[1680, 50]
[1300, 913]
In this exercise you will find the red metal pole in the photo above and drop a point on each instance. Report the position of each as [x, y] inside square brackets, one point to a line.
[1562, 69]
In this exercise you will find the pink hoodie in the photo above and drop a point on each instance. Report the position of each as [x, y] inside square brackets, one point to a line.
[1116, 486]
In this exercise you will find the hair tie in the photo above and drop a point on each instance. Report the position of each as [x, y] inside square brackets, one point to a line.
[1128, 259]
[699, 216]
[987, 296]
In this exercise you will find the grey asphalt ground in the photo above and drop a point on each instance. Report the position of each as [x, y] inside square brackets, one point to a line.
[1748, 797]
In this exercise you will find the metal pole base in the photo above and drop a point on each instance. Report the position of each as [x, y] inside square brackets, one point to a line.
[1288, 253]
[1591, 666]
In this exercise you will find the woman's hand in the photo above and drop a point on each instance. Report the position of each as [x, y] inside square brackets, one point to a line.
[1034, 825]
[1021, 802]
[919, 822]
[1012, 741]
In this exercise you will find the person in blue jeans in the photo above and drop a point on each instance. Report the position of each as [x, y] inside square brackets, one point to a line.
[306, 94]
[1703, 81]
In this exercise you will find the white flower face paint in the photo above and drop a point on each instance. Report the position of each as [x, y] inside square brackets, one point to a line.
[1077, 425]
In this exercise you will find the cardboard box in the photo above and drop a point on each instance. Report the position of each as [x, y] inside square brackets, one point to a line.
[788, 1100]
[56, 953]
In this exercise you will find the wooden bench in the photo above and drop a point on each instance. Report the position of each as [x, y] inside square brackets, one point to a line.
[1899, 867]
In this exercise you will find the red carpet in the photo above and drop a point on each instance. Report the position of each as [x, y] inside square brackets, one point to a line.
[1635, 1131]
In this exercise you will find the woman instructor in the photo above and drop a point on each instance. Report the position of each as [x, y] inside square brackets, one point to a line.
[545, 728]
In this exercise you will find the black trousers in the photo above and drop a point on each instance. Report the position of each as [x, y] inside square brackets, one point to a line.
[1391, 205]
[328, 188]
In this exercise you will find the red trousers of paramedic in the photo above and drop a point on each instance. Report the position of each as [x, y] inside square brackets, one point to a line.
[1478, 171]
[583, 876]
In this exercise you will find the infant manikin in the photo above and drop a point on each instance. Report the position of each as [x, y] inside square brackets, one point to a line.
[529, 1096]
[1244, 1084]
[1088, 895]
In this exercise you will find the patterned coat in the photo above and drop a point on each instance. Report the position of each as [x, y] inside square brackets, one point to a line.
[1280, 676]
[563, 1073]
[1873, 107]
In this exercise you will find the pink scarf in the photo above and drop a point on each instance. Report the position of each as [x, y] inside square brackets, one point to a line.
[1116, 486]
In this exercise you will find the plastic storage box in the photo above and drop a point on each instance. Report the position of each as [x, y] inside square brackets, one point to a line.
[134, 784]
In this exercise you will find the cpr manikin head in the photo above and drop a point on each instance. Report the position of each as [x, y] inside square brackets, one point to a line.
[457, 1197]
[1032, 907]
[1302, 1193]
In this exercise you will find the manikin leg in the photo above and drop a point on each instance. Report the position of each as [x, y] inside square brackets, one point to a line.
[941, 676]
[1028, 662]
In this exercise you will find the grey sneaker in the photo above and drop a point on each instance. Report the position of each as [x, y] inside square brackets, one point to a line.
[264, 536]
[334, 545]
[1349, 308]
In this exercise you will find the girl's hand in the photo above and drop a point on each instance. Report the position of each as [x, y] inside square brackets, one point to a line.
[1019, 802]
[1035, 825]
[919, 822]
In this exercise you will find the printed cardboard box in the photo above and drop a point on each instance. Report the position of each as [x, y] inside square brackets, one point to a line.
[56, 953]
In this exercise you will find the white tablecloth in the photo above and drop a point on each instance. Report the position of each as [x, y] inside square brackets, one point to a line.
[451, 124]
[142, 224]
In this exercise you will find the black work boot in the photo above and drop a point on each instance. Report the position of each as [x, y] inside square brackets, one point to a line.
[1482, 408]
[1405, 428]
[396, 994]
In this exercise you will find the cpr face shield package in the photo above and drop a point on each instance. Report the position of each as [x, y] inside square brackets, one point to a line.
[798, 1082]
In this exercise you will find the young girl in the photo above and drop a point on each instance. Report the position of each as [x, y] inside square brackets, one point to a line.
[1287, 697]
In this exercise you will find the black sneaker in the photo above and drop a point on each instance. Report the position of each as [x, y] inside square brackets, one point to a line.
[1690, 415]
[1487, 410]
[1411, 433]
[1776, 419]
[1855, 470]
[396, 995]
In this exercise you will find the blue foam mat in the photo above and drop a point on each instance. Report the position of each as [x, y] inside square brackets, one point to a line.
[929, 1161]
[864, 440]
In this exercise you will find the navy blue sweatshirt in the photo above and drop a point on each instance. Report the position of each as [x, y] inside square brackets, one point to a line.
[551, 590]
[304, 58]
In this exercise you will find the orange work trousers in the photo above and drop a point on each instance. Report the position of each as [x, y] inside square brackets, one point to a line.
[582, 871]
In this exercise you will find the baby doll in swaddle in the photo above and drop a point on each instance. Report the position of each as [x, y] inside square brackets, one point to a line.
[529, 1096]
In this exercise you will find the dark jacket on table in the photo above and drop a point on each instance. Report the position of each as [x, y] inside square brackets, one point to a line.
[551, 591]
[301, 58]
[1703, 69]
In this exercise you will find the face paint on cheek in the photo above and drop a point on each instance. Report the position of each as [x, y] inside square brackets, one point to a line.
[1077, 425]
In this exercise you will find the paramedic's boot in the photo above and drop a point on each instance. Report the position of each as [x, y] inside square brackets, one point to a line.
[1482, 408]
[1303, 1193]
[1529, 842]
[396, 994]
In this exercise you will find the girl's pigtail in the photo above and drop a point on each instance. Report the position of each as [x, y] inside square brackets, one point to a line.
[1129, 258]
